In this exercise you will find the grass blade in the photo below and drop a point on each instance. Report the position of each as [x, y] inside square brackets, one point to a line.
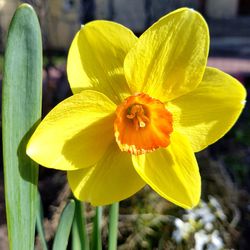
[64, 227]
[79, 232]
[39, 224]
[21, 104]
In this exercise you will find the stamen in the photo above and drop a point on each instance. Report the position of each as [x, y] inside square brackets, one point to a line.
[142, 124]
[137, 114]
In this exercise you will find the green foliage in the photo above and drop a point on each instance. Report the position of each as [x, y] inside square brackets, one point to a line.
[1, 65]
[113, 225]
[21, 103]
[96, 243]
[39, 223]
[79, 232]
[64, 227]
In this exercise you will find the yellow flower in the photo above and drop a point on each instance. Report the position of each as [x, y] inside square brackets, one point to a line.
[141, 108]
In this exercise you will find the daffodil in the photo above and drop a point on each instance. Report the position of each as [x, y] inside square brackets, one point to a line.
[140, 110]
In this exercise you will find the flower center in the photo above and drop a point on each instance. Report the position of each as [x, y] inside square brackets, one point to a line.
[142, 124]
[137, 115]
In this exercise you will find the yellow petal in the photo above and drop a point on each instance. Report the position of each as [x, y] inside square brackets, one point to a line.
[172, 172]
[75, 134]
[96, 56]
[169, 59]
[207, 113]
[112, 179]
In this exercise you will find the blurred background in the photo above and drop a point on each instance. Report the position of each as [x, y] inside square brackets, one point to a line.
[222, 220]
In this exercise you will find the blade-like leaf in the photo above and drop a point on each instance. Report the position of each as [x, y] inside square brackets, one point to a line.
[39, 223]
[64, 227]
[21, 103]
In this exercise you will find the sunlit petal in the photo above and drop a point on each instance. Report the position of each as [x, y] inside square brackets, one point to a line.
[172, 172]
[207, 113]
[96, 56]
[112, 179]
[169, 59]
[75, 134]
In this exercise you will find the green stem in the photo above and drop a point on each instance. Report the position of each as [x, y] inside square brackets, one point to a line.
[97, 237]
[80, 238]
[113, 225]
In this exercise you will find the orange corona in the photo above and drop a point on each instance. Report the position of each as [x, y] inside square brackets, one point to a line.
[142, 124]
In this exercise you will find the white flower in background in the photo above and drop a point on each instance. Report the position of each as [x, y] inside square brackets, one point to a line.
[182, 230]
[208, 226]
[216, 205]
[206, 241]
[201, 239]
[201, 222]
[202, 213]
[216, 241]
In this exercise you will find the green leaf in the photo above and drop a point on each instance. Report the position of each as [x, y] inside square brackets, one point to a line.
[79, 232]
[64, 227]
[21, 104]
[39, 223]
